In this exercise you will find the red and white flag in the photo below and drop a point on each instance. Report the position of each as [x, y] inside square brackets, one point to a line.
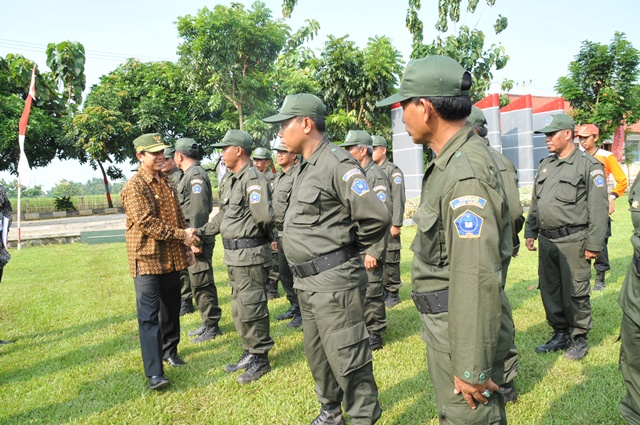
[24, 172]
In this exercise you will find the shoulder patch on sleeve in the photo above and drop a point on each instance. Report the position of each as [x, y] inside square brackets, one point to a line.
[469, 225]
[599, 181]
[351, 173]
[469, 200]
[397, 180]
[196, 188]
[382, 196]
[254, 187]
[254, 197]
[360, 187]
[596, 172]
[377, 188]
[197, 181]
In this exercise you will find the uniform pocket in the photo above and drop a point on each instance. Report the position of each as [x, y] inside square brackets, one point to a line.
[567, 190]
[352, 345]
[307, 206]
[429, 242]
[200, 274]
[460, 413]
[254, 302]
[236, 205]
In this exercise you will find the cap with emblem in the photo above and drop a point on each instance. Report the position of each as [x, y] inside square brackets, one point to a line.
[476, 117]
[280, 148]
[168, 152]
[150, 142]
[357, 137]
[379, 141]
[261, 153]
[556, 123]
[587, 130]
[433, 76]
[185, 144]
[299, 105]
[235, 138]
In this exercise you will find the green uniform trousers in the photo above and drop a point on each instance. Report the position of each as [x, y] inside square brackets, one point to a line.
[336, 344]
[375, 314]
[286, 276]
[204, 289]
[452, 409]
[249, 307]
[185, 286]
[630, 368]
[564, 283]
[391, 279]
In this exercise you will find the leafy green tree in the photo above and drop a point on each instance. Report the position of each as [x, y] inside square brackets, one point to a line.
[66, 61]
[66, 188]
[466, 45]
[602, 85]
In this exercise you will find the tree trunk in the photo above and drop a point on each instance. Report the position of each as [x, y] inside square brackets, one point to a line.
[106, 185]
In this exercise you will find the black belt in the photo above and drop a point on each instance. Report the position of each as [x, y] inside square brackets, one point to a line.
[561, 232]
[324, 262]
[242, 243]
[431, 302]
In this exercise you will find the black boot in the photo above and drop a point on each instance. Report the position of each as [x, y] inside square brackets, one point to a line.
[578, 349]
[272, 289]
[209, 333]
[297, 320]
[243, 362]
[186, 307]
[289, 314]
[509, 392]
[375, 341]
[329, 415]
[259, 366]
[559, 341]
[392, 300]
[599, 286]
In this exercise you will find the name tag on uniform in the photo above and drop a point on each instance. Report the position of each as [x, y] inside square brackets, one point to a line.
[469, 200]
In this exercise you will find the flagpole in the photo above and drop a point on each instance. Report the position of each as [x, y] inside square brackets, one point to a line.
[23, 164]
[19, 215]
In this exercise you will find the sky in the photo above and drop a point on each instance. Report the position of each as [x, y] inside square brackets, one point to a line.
[542, 38]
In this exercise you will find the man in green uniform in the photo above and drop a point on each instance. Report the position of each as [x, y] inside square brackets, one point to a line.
[463, 241]
[569, 215]
[359, 145]
[333, 214]
[196, 200]
[392, 281]
[262, 161]
[509, 176]
[281, 194]
[630, 329]
[170, 168]
[245, 223]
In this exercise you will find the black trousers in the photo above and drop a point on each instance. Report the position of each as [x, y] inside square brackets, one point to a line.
[158, 308]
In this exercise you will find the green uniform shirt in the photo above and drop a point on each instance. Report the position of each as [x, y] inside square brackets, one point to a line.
[379, 183]
[463, 240]
[194, 193]
[570, 192]
[175, 176]
[331, 207]
[245, 212]
[629, 299]
[396, 188]
[282, 186]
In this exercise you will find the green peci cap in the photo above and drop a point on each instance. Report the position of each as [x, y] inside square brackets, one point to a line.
[261, 153]
[185, 144]
[556, 123]
[357, 137]
[235, 138]
[168, 152]
[379, 141]
[433, 76]
[280, 148]
[150, 142]
[299, 105]
[476, 117]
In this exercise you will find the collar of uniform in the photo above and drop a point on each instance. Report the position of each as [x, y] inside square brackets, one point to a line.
[452, 146]
[243, 170]
[572, 156]
[148, 178]
[321, 147]
[368, 166]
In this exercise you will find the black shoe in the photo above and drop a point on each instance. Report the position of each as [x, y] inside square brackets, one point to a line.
[272, 290]
[209, 333]
[296, 322]
[329, 416]
[599, 286]
[509, 392]
[289, 314]
[392, 300]
[559, 341]
[375, 341]
[175, 361]
[158, 382]
[197, 332]
[259, 366]
[4, 342]
[578, 349]
[186, 307]
[243, 362]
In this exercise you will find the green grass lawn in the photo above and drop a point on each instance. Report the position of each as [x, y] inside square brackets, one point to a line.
[76, 358]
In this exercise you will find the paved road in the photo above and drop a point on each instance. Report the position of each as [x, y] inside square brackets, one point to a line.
[70, 226]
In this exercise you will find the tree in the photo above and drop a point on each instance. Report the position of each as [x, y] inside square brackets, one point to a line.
[466, 45]
[602, 84]
[66, 188]
[66, 61]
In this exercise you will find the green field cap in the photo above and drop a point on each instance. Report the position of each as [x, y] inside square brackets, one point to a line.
[235, 138]
[357, 137]
[433, 76]
[150, 142]
[379, 141]
[185, 144]
[556, 123]
[261, 153]
[168, 152]
[299, 105]
[280, 148]
[476, 117]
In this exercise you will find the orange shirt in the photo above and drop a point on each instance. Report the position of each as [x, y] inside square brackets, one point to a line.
[612, 166]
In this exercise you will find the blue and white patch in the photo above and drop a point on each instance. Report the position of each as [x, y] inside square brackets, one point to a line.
[351, 173]
[360, 187]
[469, 225]
[382, 196]
[254, 187]
[599, 181]
[254, 198]
[397, 180]
[597, 172]
[469, 200]
[196, 188]
[379, 188]
[197, 181]
[548, 121]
